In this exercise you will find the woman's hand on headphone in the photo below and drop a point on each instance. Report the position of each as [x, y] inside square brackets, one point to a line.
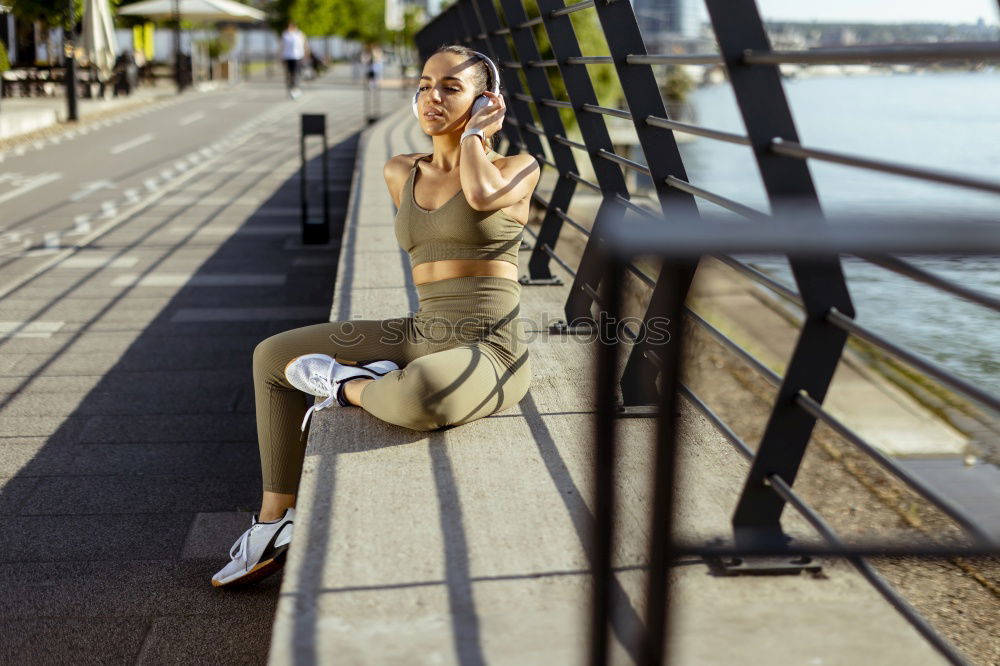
[490, 118]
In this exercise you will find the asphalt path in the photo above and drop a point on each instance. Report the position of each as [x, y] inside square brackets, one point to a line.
[50, 195]
[142, 262]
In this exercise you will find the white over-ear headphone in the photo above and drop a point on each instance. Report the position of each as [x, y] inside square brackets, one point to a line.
[481, 101]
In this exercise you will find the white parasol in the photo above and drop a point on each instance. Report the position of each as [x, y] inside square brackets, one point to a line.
[195, 10]
[99, 41]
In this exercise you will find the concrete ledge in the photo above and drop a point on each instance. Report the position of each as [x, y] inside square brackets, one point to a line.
[471, 544]
[13, 123]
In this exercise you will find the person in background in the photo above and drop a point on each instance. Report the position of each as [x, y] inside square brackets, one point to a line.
[293, 50]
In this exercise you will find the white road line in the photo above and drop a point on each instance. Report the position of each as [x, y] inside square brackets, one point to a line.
[193, 118]
[43, 179]
[90, 188]
[129, 145]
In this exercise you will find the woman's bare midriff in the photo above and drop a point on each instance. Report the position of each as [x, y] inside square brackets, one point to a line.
[433, 271]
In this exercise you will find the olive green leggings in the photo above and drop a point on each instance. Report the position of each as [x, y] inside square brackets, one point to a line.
[461, 357]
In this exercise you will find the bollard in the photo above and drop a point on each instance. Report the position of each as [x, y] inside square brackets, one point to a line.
[315, 231]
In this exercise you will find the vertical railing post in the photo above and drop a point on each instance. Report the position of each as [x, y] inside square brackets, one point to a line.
[539, 271]
[643, 98]
[766, 114]
[580, 90]
[518, 110]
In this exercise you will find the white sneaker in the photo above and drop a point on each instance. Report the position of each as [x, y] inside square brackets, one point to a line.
[323, 376]
[259, 552]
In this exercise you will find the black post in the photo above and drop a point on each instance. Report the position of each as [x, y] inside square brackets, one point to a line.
[70, 79]
[178, 74]
[314, 232]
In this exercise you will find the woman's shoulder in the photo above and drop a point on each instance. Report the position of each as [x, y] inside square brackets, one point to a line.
[399, 166]
[404, 159]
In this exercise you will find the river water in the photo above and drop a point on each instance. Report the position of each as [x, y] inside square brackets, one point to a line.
[947, 121]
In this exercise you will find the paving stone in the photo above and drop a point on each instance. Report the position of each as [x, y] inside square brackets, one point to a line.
[148, 400]
[14, 491]
[92, 537]
[169, 428]
[210, 639]
[138, 492]
[89, 588]
[70, 640]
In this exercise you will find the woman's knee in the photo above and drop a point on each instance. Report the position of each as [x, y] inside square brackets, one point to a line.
[269, 359]
[444, 393]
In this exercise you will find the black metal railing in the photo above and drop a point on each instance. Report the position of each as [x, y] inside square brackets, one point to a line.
[504, 30]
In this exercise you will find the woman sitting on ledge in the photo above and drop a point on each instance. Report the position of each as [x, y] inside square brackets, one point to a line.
[462, 356]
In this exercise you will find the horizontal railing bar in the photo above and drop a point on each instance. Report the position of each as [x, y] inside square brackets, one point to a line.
[783, 490]
[786, 492]
[631, 205]
[540, 199]
[501, 31]
[639, 273]
[762, 278]
[524, 97]
[717, 199]
[531, 127]
[530, 22]
[814, 409]
[512, 64]
[904, 53]
[716, 421]
[678, 59]
[583, 181]
[556, 103]
[793, 149]
[897, 265]
[543, 63]
[656, 121]
[964, 387]
[770, 375]
[549, 251]
[568, 142]
[597, 298]
[546, 161]
[625, 162]
[586, 4]
[564, 216]
[607, 111]
[888, 550]
[589, 60]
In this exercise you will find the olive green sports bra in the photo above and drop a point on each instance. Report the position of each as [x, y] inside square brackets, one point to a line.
[454, 230]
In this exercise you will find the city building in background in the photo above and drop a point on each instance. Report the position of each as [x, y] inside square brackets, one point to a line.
[670, 25]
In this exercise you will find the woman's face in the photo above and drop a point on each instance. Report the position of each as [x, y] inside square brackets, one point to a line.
[446, 93]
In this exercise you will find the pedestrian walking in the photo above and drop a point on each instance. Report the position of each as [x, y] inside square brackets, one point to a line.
[462, 356]
[293, 50]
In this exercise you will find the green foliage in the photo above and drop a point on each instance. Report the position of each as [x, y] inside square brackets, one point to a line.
[4, 60]
[51, 13]
[363, 20]
[590, 37]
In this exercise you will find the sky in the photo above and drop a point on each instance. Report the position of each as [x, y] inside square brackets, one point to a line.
[881, 11]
